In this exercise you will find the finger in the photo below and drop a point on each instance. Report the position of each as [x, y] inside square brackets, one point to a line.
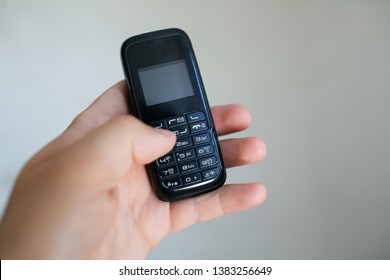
[241, 151]
[106, 153]
[230, 118]
[225, 200]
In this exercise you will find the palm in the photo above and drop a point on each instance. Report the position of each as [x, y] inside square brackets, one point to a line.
[140, 222]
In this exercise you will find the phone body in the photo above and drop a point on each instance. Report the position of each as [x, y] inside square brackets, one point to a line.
[166, 91]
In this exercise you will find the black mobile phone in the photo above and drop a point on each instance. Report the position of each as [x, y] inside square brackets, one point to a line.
[166, 91]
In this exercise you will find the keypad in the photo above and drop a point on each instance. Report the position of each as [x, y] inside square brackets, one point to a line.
[194, 157]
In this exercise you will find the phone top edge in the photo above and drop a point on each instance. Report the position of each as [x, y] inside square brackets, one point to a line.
[152, 35]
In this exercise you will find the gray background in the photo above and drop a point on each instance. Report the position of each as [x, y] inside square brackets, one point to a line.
[315, 75]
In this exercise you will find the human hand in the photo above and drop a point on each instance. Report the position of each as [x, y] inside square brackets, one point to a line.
[87, 195]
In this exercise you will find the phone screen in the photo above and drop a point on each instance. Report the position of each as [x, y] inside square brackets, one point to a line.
[165, 82]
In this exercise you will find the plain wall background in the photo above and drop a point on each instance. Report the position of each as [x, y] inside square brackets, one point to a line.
[315, 75]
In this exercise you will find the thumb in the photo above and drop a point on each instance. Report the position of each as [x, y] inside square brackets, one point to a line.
[64, 198]
[104, 155]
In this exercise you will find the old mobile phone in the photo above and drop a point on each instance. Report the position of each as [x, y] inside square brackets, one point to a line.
[166, 91]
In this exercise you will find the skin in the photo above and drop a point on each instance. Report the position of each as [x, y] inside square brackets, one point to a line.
[87, 195]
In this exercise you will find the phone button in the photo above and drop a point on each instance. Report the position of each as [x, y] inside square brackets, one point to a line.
[168, 171]
[170, 183]
[196, 116]
[188, 166]
[210, 174]
[184, 142]
[191, 178]
[204, 150]
[159, 124]
[201, 138]
[166, 159]
[181, 130]
[199, 126]
[206, 162]
[176, 121]
[185, 154]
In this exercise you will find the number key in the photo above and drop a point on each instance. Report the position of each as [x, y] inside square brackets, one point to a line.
[204, 150]
[185, 154]
[206, 162]
[168, 171]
